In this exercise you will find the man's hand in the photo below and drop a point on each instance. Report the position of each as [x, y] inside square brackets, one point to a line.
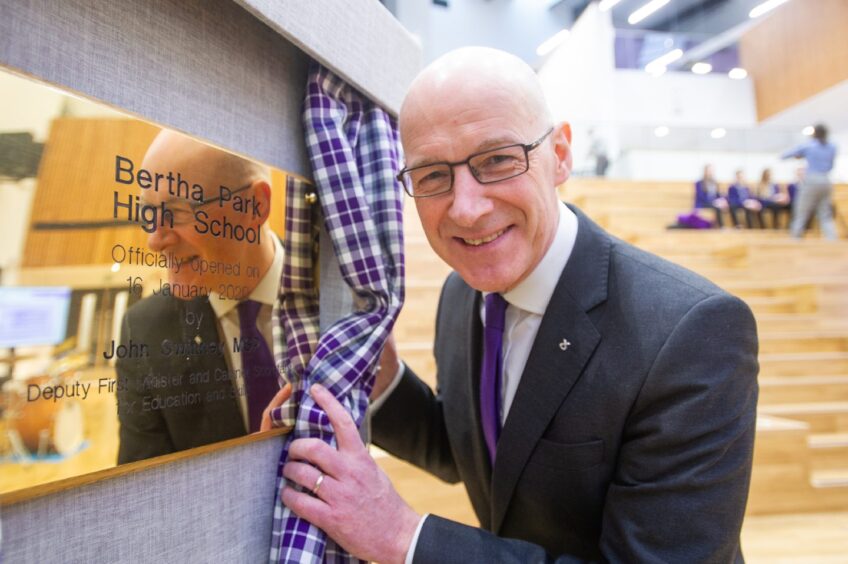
[389, 365]
[278, 400]
[752, 204]
[355, 503]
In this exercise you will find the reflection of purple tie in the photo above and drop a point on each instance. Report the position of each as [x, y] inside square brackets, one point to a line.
[260, 374]
[491, 372]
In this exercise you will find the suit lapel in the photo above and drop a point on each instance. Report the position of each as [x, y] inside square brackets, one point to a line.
[551, 372]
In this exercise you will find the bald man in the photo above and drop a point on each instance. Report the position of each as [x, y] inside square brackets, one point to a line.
[208, 370]
[580, 397]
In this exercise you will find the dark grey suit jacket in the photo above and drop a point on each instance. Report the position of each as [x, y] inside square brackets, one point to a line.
[169, 402]
[632, 445]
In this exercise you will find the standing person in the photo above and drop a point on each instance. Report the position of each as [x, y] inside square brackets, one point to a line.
[580, 398]
[598, 150]
[815, 192]
[708, 195]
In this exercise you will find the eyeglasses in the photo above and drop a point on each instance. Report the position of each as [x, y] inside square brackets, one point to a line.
[183, 215]
[487, 167]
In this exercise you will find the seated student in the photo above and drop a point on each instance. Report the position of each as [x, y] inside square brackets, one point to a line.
[739, 197]
[773, 198]
[707, 195]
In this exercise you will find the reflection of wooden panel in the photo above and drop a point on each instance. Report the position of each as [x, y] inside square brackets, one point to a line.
[76, 184]
[796, 52]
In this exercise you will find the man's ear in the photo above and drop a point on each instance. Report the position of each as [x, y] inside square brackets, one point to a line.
[262, 193]
[562, 147]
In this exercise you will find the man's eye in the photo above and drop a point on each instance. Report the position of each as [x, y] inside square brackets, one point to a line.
[434, 176]
[498, 160]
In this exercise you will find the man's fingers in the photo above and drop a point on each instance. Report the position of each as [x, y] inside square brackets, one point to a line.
[307, 477]
[306, 506]
[278, 400]
[347, 435]
[318, 453]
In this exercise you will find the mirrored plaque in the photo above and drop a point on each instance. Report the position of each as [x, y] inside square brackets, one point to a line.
[140, 271]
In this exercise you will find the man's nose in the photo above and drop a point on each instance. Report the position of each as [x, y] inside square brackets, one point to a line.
[162, 238]
[470, 198]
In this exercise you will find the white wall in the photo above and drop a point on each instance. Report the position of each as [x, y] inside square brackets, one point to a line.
[683, 99]
[578, 81]
[688, 165]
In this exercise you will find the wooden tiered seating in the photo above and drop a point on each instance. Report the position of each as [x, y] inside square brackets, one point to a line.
[797, 290]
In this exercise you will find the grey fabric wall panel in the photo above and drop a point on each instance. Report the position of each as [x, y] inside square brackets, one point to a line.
[213, 508]
[207, 67]
[359, 39]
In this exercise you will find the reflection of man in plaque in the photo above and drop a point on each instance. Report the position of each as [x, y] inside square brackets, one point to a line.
[203, 368]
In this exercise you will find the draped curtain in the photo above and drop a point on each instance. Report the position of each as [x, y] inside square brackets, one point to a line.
[354, 151]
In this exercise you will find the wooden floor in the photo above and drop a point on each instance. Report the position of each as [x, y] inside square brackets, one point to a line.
[798, 505]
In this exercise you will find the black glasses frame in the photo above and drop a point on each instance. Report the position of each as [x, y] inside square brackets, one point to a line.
[196, 205]
[526, 147]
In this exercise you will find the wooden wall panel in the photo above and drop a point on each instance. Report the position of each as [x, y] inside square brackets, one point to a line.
[796, 52]
[76, 184]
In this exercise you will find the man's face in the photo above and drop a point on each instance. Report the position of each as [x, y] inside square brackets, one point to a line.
[188, 246]
[493, 235]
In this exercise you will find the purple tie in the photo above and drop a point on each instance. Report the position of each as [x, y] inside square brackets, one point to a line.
[491, 373]
[260, 374]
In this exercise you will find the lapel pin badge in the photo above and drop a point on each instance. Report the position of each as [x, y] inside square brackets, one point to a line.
[564, 345]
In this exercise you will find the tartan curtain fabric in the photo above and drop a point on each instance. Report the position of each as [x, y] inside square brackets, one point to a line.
[354, 151]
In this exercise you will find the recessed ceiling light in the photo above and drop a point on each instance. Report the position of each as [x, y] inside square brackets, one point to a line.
[808, 131]
[662, 131]
[607, 5]
[552, 43]
[646, 11]
[658, 66]
[738, 73]
[765, 7]
[702, 68]
[718, 133]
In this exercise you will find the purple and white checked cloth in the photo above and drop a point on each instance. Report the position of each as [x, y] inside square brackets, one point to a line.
[354, 149]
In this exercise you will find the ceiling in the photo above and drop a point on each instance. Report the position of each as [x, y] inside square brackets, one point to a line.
[707, 17]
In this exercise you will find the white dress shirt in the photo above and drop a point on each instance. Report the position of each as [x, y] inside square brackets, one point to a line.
[526, 304]
[226, 311]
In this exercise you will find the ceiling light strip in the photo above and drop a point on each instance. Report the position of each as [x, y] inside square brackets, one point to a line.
[646, 11]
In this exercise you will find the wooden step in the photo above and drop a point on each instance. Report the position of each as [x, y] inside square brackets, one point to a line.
[826, 479]
[829, 451]
[803, 364]
[419, 357]
[803, 341]
[781, 477]
[803, 389]
[769, 305]
[822, 417]
[820, 321]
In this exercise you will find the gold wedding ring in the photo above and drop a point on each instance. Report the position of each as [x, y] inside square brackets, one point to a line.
[318, 483]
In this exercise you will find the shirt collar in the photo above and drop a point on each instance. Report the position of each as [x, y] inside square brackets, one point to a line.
[534, 292]
[266, 291]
